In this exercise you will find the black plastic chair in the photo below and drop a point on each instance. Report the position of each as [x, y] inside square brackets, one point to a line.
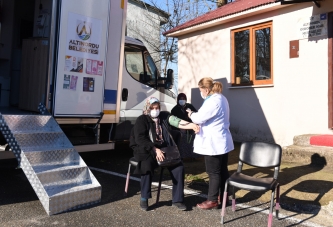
[257, 154]
[133, 162]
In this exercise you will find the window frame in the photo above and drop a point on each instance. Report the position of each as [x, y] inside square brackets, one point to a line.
[125, 60]
[146, 55]
[252, 55]
[146, 69]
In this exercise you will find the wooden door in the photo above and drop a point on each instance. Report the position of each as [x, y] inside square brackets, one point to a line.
[33, 73]
[38, 80]
[26, 68]
[330, 70]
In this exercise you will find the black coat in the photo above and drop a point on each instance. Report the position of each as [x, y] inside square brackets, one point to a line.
[142, 145]
[180, 111]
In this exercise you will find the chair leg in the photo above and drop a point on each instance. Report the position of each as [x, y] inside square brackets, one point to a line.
[277, 204]
[270, 215]
[225, 198]
[127, 179]
[159, 186]
[233, 199]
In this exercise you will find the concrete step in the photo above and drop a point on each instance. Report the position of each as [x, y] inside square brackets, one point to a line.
[308, 154]
[303, 140]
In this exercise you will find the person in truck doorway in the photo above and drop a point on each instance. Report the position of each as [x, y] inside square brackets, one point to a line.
[187, 138]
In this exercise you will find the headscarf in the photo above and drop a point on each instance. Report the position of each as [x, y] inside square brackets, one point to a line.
[149, 101]
[181, 95]
[146, 111]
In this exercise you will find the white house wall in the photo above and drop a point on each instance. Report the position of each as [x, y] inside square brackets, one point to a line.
[296, 104]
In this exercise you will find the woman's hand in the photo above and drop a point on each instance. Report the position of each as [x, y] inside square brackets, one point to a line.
[195, 128]
[189, 112]
[159, 154]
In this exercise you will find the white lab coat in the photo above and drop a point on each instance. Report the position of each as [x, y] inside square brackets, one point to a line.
[214, 137]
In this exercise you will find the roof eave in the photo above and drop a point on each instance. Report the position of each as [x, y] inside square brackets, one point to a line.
[226, 19]
[153, 8]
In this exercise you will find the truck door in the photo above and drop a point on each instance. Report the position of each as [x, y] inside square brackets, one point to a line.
[139, 82]
[81, 58]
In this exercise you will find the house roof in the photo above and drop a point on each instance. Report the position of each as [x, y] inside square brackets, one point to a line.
[223, 11]
[153, 8]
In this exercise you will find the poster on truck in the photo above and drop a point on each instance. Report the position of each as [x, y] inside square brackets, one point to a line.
[79, 86]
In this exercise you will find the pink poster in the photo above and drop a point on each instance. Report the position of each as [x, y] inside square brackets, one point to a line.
[94, 67]
[73, 83]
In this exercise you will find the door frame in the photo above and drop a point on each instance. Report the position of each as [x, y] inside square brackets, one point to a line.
[330, 69]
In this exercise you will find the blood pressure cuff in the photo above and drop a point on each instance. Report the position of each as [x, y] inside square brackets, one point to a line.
[174, 121]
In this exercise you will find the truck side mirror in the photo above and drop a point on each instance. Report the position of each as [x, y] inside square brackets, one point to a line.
[169, 80]
[144, 77]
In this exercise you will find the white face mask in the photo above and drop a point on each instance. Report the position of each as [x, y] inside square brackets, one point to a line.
[154, 113]
[182, 102]
[202, 96]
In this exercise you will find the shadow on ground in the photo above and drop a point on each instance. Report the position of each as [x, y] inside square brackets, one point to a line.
[304, 188]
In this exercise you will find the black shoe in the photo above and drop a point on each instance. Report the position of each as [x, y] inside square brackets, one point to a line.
[144, 205]
[180, 206]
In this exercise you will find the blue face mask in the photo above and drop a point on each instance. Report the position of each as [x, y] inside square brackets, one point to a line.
[182, 102]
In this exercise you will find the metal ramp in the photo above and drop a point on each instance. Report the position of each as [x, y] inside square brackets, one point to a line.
[55, 170]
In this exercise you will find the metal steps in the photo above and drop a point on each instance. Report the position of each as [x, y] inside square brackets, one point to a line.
[59, 176]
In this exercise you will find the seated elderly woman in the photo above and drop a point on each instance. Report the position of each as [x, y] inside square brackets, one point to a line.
[148, 152]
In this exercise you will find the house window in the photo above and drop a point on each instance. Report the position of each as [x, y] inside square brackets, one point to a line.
[252, 55]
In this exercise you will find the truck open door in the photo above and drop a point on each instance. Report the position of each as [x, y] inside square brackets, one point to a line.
[89, 56]
[88, 68]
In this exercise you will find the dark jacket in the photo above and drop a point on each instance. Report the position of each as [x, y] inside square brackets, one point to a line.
[142, 145]
[180, 111]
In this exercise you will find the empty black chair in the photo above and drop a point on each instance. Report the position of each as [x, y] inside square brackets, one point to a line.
[133, 162]
[257, 154]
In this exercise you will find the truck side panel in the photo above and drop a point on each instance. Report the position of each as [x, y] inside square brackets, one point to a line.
[114, 70]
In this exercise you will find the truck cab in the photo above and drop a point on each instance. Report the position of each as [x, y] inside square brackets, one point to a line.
[141, 79]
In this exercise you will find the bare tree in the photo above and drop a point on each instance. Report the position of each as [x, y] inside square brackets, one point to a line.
[164, 49]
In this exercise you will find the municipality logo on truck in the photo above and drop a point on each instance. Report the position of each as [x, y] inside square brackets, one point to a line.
[83, 30]
[84, 35]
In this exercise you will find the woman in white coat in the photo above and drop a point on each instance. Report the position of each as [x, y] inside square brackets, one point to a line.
[214, 139]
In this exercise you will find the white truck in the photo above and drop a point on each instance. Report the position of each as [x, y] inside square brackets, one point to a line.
[96, 79]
